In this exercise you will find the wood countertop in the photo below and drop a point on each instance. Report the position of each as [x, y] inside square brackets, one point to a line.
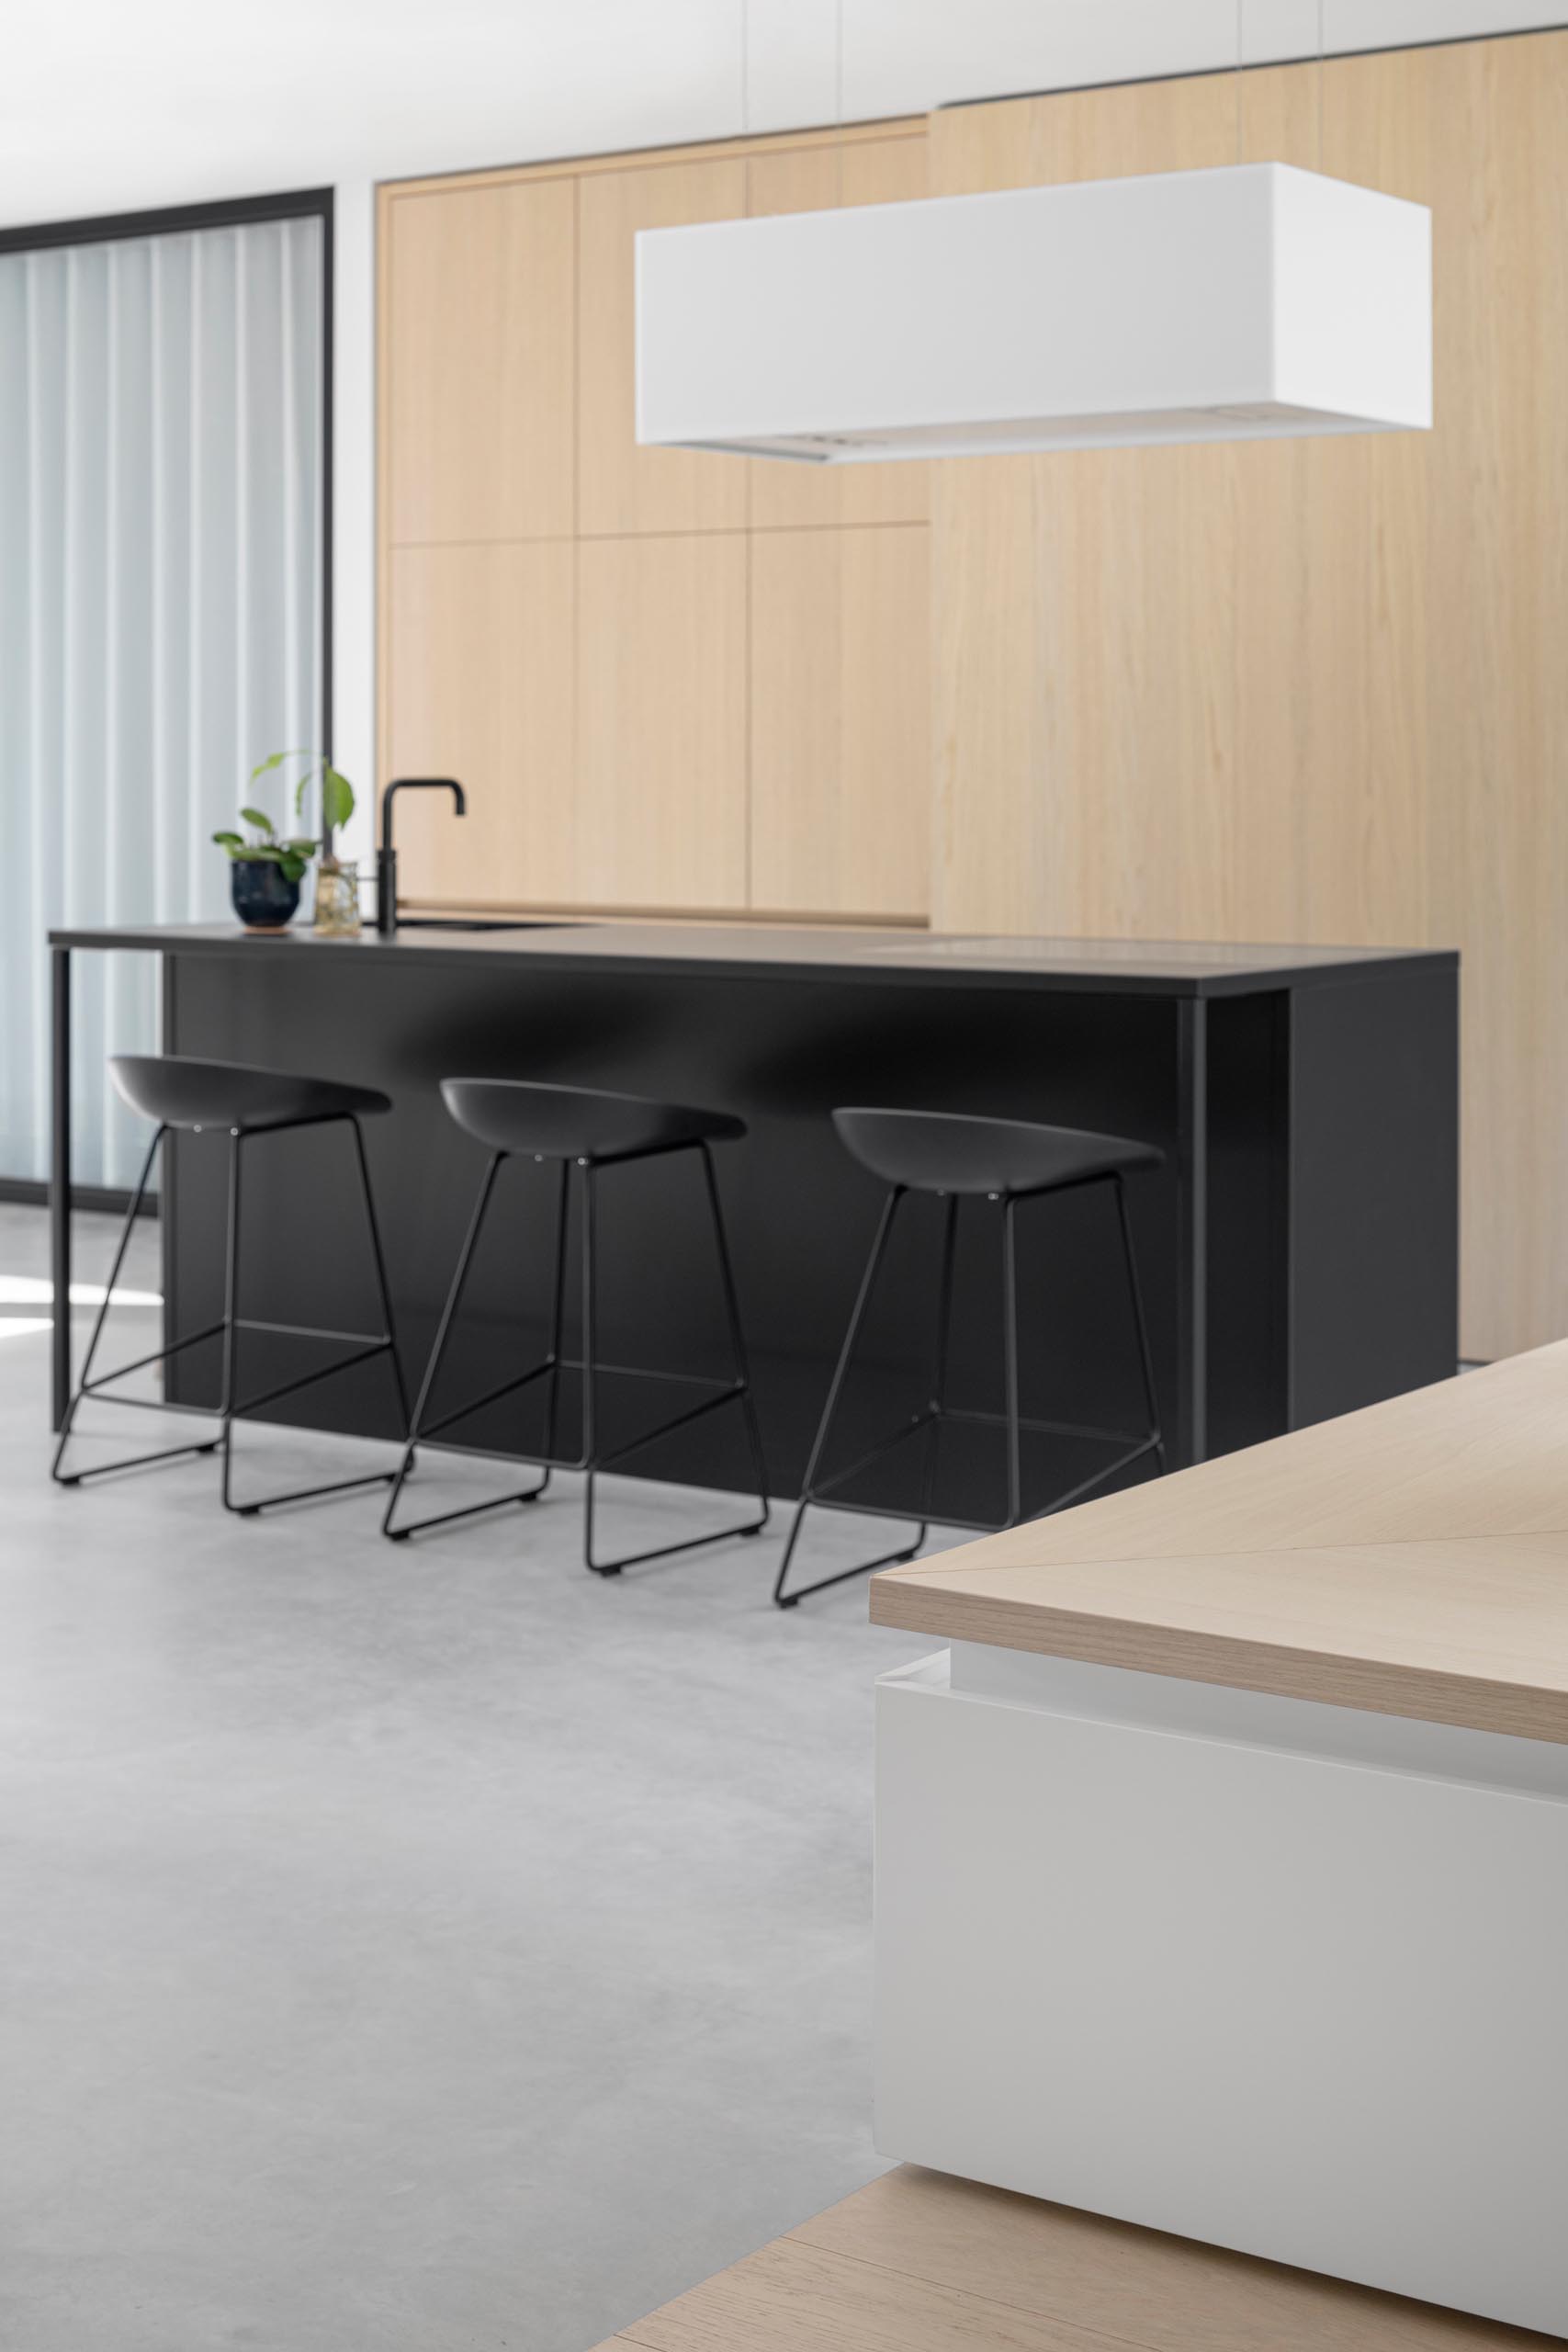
[1108, 966]
[919, 2262]
[1411, 1559]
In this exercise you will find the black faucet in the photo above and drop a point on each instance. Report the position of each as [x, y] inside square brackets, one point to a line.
[387, 857]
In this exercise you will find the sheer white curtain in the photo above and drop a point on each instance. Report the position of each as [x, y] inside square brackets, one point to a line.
[160, 500]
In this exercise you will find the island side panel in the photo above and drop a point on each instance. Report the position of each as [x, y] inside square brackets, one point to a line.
[1247, 1226]
[1373, 1245]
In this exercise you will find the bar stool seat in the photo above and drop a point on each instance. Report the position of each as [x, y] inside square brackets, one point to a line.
[956, 1156]
[934, 1152]
[184, 1092]
[585, 1129]
[178, 1090]
[580, 1123]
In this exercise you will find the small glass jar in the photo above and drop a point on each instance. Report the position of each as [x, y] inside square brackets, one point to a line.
[337, 899]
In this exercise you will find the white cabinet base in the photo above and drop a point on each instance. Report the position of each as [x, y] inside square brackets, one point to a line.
[1279, 1976]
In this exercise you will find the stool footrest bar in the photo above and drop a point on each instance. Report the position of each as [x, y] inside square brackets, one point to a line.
[308, 1379]
[139, 1363]
[135, 1461]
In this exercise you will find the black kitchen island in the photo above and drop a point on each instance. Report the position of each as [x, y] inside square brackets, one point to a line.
[1299, 1248]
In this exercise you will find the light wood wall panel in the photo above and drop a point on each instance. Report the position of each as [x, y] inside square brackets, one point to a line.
[841, 721]
[480, 377]
[623, 488]
[482, 689]
[1497, 677]
[1312, 690]
[661, 803]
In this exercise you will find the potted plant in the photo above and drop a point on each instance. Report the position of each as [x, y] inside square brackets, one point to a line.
[265, 868]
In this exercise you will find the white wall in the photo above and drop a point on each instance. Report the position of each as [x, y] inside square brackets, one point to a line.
[910, 54]
[105, 108]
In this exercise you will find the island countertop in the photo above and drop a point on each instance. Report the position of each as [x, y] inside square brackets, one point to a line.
[1409, 1559]
[1182, 968]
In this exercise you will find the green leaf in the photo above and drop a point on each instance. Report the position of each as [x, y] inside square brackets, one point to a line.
[266, 767]
[337, 799]
[230, 842]
[292, 868]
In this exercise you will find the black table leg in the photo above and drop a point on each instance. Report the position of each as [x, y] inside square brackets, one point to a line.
[59, 1187]
[1192, 1240]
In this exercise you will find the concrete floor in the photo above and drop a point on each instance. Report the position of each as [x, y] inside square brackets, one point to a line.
[428, 1946]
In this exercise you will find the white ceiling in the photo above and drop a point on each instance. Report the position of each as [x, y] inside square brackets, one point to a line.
[118, 105]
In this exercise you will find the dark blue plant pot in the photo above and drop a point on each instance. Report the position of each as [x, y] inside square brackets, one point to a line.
[263, 898]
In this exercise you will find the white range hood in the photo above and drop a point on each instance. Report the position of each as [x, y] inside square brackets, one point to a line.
[1239, 304]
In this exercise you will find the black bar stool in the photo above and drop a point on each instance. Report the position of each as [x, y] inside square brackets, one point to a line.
[1005, 1161]
[176, 1091]
[587, 1130]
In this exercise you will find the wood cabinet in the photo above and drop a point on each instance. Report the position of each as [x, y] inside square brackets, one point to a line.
[660, 798]
[708, 688]
[841, 719]
[482, 689]
[479, 393]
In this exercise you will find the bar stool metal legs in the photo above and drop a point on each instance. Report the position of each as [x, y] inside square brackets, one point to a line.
[937, 1411]
[369, 1345]
[592, 1456]
[88, 1386]
[230, 1406]
[739, 1389]
[422, 1428]
[1146, 1356]
[814, 1487]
